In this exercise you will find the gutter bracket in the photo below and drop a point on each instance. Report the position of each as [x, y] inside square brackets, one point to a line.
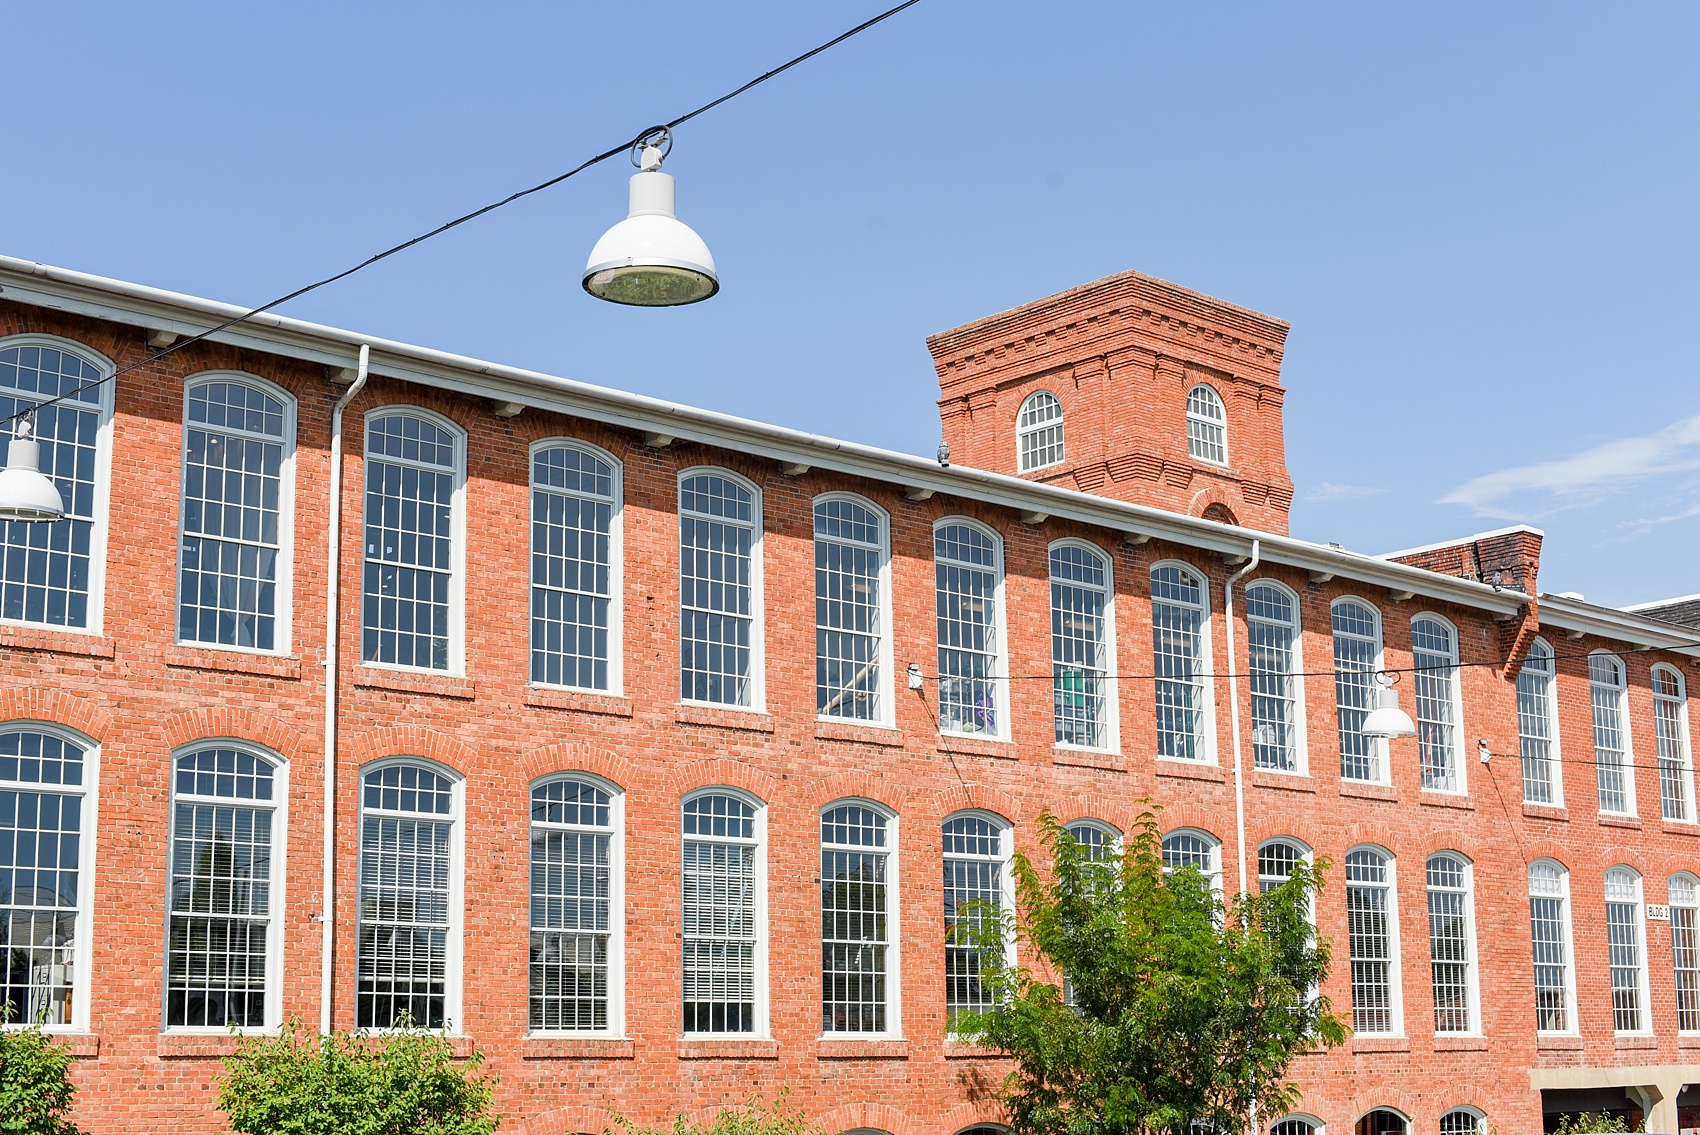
[917, 493]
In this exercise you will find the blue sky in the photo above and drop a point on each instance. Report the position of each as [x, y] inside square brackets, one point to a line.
[1480, 219]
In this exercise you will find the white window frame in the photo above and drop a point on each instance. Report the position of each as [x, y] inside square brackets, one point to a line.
[1379, 753]
[1455, 704]
[999, 680]
[1685, 751]
[1555, 755]
[82, 953]
[1404, 1119]
[1214, 874]
[761, 1027]
[616, 1029]
[893, 917]
[1299, 733]
[457, 537]
[1218, 423]
[1630, 804]
[283, 636]
[1472, 964]
[616, 557]
[278, 884]
[1307, 854]
[887, 717]
[98, 528]
[758, 622]
[454, 944]
[1571, 1025]
[1206, 713]
[1112, 834]
[1317, 1127]
[1111, 695]
[1640, 916]
[1395, 945]
[1689, 902]
[1025, 430]
[1474, 1113]
[1006, 879]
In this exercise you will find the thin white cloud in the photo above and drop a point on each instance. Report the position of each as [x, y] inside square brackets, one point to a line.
[1333, 491]
[1645, 524]
[1586, 478]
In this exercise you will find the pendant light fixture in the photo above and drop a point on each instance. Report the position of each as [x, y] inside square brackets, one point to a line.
[1387, 719]
[651, 259]
[25, 494]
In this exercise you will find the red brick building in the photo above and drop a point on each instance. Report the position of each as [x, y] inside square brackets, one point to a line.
[618, 683]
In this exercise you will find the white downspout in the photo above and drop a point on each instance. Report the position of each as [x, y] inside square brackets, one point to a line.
[1234, 711]
[333, 603]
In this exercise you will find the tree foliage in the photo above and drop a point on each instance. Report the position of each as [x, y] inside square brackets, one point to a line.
[405, 1082]
[1180, 1012]
[35, 1084]
[781, 1117]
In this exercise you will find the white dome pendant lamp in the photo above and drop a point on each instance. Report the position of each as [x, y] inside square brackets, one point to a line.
[25, 494]
[651, 259]
[1387, 719]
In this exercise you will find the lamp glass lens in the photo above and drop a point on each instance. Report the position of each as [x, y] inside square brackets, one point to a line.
[650, 285]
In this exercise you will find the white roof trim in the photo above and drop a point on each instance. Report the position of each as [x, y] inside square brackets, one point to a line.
[1462, 540]
[1610, 622]
[1661, 602]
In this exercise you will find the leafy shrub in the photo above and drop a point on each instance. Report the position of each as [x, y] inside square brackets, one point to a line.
[35, 1084]
[780, 1117]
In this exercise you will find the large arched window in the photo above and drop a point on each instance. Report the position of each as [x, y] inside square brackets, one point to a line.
[1039, 432]
[1452, 942]
[976, 888]
[47, 784]
[1537, 727]
[1206, 425]
[576, 922]
[859, 975]
[1296, 1125]
[1549, 934]
[1625, 935]
[1199, 850]
[1434, 662]
[1685, 946]
[1463, 1121]
[1180, 656]
[1611, 734]
[1670, 725]
[1357, 658]
[968, 569]
[1098, 839]
[407, 963]
[575, 567]
[1382, 1121]
[1373, 934]
[224, 952]
[50, 574]
[852, 647]
[724, 915]
[719, 589]
[1080, 645]
[1272, 635]
[413, 583]
[238, 456]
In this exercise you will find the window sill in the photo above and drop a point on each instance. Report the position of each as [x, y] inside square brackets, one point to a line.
[859, 734]
[1088, 758]
[1632, 1043]
[56, 641]
[750, 720]
[577, 1048]
[1688, 1041]
[285, 666]
[548, 697]
[1679, 827]
[836, 1048]
[1434, 799]
[728, 1049]
[193, 1046]
[1368, 791]
[1381, 1044]
[1609, 821]
[977, 746]
[1558, 1042]
[409, 682]
[1460, 1044]
[1190, 770]
[1547, 812]
[82, 1046]
[1285, 781]
[964, 1050]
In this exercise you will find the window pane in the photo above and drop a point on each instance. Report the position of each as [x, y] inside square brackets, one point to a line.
[1368, 916]
[716, 596]
[1357, 651]
[1676, 776]
[1535, 725]
[973, 874]
[40, 864]
[1550, 939]
[965, 564]
[1605, 688]
[1450, 948]
[1623, 935]
[1206, 429]
[1686, 948]
[571, 891]
[854, 931]
[410, 479]
[1434, 659]
[719, 915]
[401, 968]
[1177, 617]
[1079, 652]
[849, 610]
[1271, 628]
[1039, 432]
[572, 518]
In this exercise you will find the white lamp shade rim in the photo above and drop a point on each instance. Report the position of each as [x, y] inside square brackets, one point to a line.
[653, 262]
[25, 493]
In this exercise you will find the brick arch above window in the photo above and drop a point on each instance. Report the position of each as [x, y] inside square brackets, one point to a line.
[26, 704]
[413, 741]
[1373, 836]
[974, 798]
[857, 785]
[722, 772]
[572, 756]
[569, 1121]
[207, 723]
[1536, 850]
[973, 1114]
[870, 1117]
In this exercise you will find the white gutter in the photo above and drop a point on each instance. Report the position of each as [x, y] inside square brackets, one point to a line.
[333, 607]
[64, 290]
[1234, 703]
[1559, 613]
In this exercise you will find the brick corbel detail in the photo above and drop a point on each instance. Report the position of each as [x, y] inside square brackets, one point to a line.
[568, 1121]
[963, 797]
[573, 757]
[191, 725]
[410, 741]
[1516, 635]
[865, 786]
[34, 703]
[722, 772]
[870, 1116]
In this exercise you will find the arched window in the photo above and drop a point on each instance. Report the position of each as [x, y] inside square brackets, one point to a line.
[976, 888]
[575, 567]
[1434, 661]
[223, 961]
[407, 963]
[1099, 839]
[1625, 933]
[1357, 658]
[412, 588]
[968, 567]
[1382, 1121]
[1206, 425]
[238, 457]
[858, 951]
[1373, 932]
[1537, 727]
[851, 645]
[1080, 650]
[1199, 850]
[984, 1129]
[1685, 945]
[1670, 724]
[1549, 933]
[49, 572]
[1611, 734]
[1295, 1125]
[1452, 942]
[724, 915]
[576, 923]
[1276, 859]
[1039, 432]
[1463, 1121]
[719, 589]
[1179, 607]
[47, 785]
[1272, 631]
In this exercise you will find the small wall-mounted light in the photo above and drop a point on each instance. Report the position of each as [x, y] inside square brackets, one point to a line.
[25, 493]
[1483, 753]
[915, 679]
[651, 259]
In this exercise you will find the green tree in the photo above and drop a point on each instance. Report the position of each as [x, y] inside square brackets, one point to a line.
[781, 1117]
[405, 1082]
[35, 1084]
[1179, 1014]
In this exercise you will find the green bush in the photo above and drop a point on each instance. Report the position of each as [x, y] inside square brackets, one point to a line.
[780, 1117]
[35, 1084]
[406, 1082]
[1594, 1123]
